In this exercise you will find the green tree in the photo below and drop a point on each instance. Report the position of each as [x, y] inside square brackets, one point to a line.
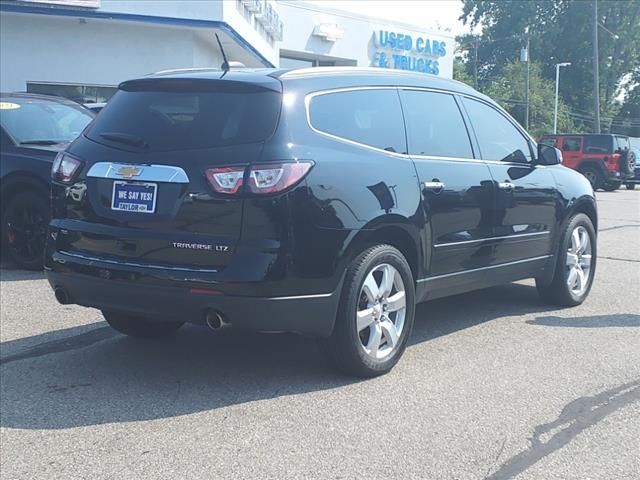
[460, 73]
[560, 31]
[627, 121]
[509, 91]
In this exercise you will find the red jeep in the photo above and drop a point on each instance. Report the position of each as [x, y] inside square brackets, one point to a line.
[606, 160]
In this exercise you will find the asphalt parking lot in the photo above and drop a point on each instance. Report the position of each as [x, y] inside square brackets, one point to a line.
[495, 384]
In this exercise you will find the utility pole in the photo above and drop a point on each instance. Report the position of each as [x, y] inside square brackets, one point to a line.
[596, 68]
[524, 57]
[555, 108]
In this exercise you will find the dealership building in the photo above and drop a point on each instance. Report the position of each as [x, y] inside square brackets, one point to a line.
[83, 49]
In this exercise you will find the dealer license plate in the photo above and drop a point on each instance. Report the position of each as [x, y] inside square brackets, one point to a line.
[134, 197]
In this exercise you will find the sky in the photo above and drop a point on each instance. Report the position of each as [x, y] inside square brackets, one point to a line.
[431, 14]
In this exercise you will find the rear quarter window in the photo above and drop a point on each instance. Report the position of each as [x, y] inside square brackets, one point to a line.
[181, 119]
[598, 144]
[371, 117]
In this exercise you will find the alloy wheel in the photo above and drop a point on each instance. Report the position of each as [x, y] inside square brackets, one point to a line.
[578, 266]
[381, 312]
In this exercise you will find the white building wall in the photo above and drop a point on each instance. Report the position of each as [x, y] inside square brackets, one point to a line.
[101, 52]
[189, 9]
[357, 42]
[245, 27]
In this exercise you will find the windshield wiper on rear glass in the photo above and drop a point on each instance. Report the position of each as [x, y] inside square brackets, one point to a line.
[125, 138]
[41, 142]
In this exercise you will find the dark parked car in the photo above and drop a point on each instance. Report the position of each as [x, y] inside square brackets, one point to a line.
[321, 201]
[34, 129]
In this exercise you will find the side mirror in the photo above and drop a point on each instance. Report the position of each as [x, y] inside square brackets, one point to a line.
[548, 155]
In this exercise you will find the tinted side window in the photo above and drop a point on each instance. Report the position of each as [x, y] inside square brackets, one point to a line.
[371, 117]
[572, 144]
[551, 141]
[498, 138]
[622, 143]
[435, 125]
[598, 144]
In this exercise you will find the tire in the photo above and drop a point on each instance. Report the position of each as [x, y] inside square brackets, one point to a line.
[24, 229]
[558, 292]
[611, 186]
[135, 326]
[369, 351]
[594, 177]
[628, 162]
[630, 186]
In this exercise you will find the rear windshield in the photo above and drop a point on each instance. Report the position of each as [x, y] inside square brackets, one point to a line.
[165, 119]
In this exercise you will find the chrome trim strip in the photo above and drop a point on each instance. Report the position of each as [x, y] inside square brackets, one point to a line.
[148, 173]
[488, 239]
[134, 264]
[490, 267]
[301, 297]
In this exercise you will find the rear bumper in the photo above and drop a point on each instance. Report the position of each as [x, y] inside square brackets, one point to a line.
[613, 175]
[182, 301]
[635, 178]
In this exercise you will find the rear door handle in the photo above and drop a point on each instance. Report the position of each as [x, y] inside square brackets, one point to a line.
[435, 186]
[506, 186]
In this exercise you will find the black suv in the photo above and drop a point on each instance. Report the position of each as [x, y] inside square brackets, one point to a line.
[321, 201]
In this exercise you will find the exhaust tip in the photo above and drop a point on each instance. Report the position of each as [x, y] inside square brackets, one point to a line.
[214, 320]
[62, 296]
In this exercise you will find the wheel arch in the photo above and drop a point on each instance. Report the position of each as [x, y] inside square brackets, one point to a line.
[402, 235]
[586, 205]
[595, 164]
[20, 182]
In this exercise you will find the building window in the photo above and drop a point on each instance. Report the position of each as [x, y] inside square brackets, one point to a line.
[288, 62]
[292, 61]
[73, 91]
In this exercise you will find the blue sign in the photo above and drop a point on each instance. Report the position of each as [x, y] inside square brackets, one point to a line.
[403, 52]
[134, 197]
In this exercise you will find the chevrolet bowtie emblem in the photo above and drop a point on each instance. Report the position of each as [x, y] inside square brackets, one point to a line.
[128, 172]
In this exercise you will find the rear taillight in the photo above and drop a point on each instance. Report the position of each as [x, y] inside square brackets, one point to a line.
[274, 178]
[261, 179]
[65, 168]
[226, 179]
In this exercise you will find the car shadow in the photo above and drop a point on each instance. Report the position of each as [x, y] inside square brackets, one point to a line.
[10, 273]
[594, 321]
[91, 375]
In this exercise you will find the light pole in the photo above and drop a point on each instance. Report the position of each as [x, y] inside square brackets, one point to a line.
[555, 108]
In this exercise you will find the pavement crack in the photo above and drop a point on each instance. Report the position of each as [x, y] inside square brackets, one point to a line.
[618, 227]
[62, 345]
[498, 455]
[576, 416]
[618, 259]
